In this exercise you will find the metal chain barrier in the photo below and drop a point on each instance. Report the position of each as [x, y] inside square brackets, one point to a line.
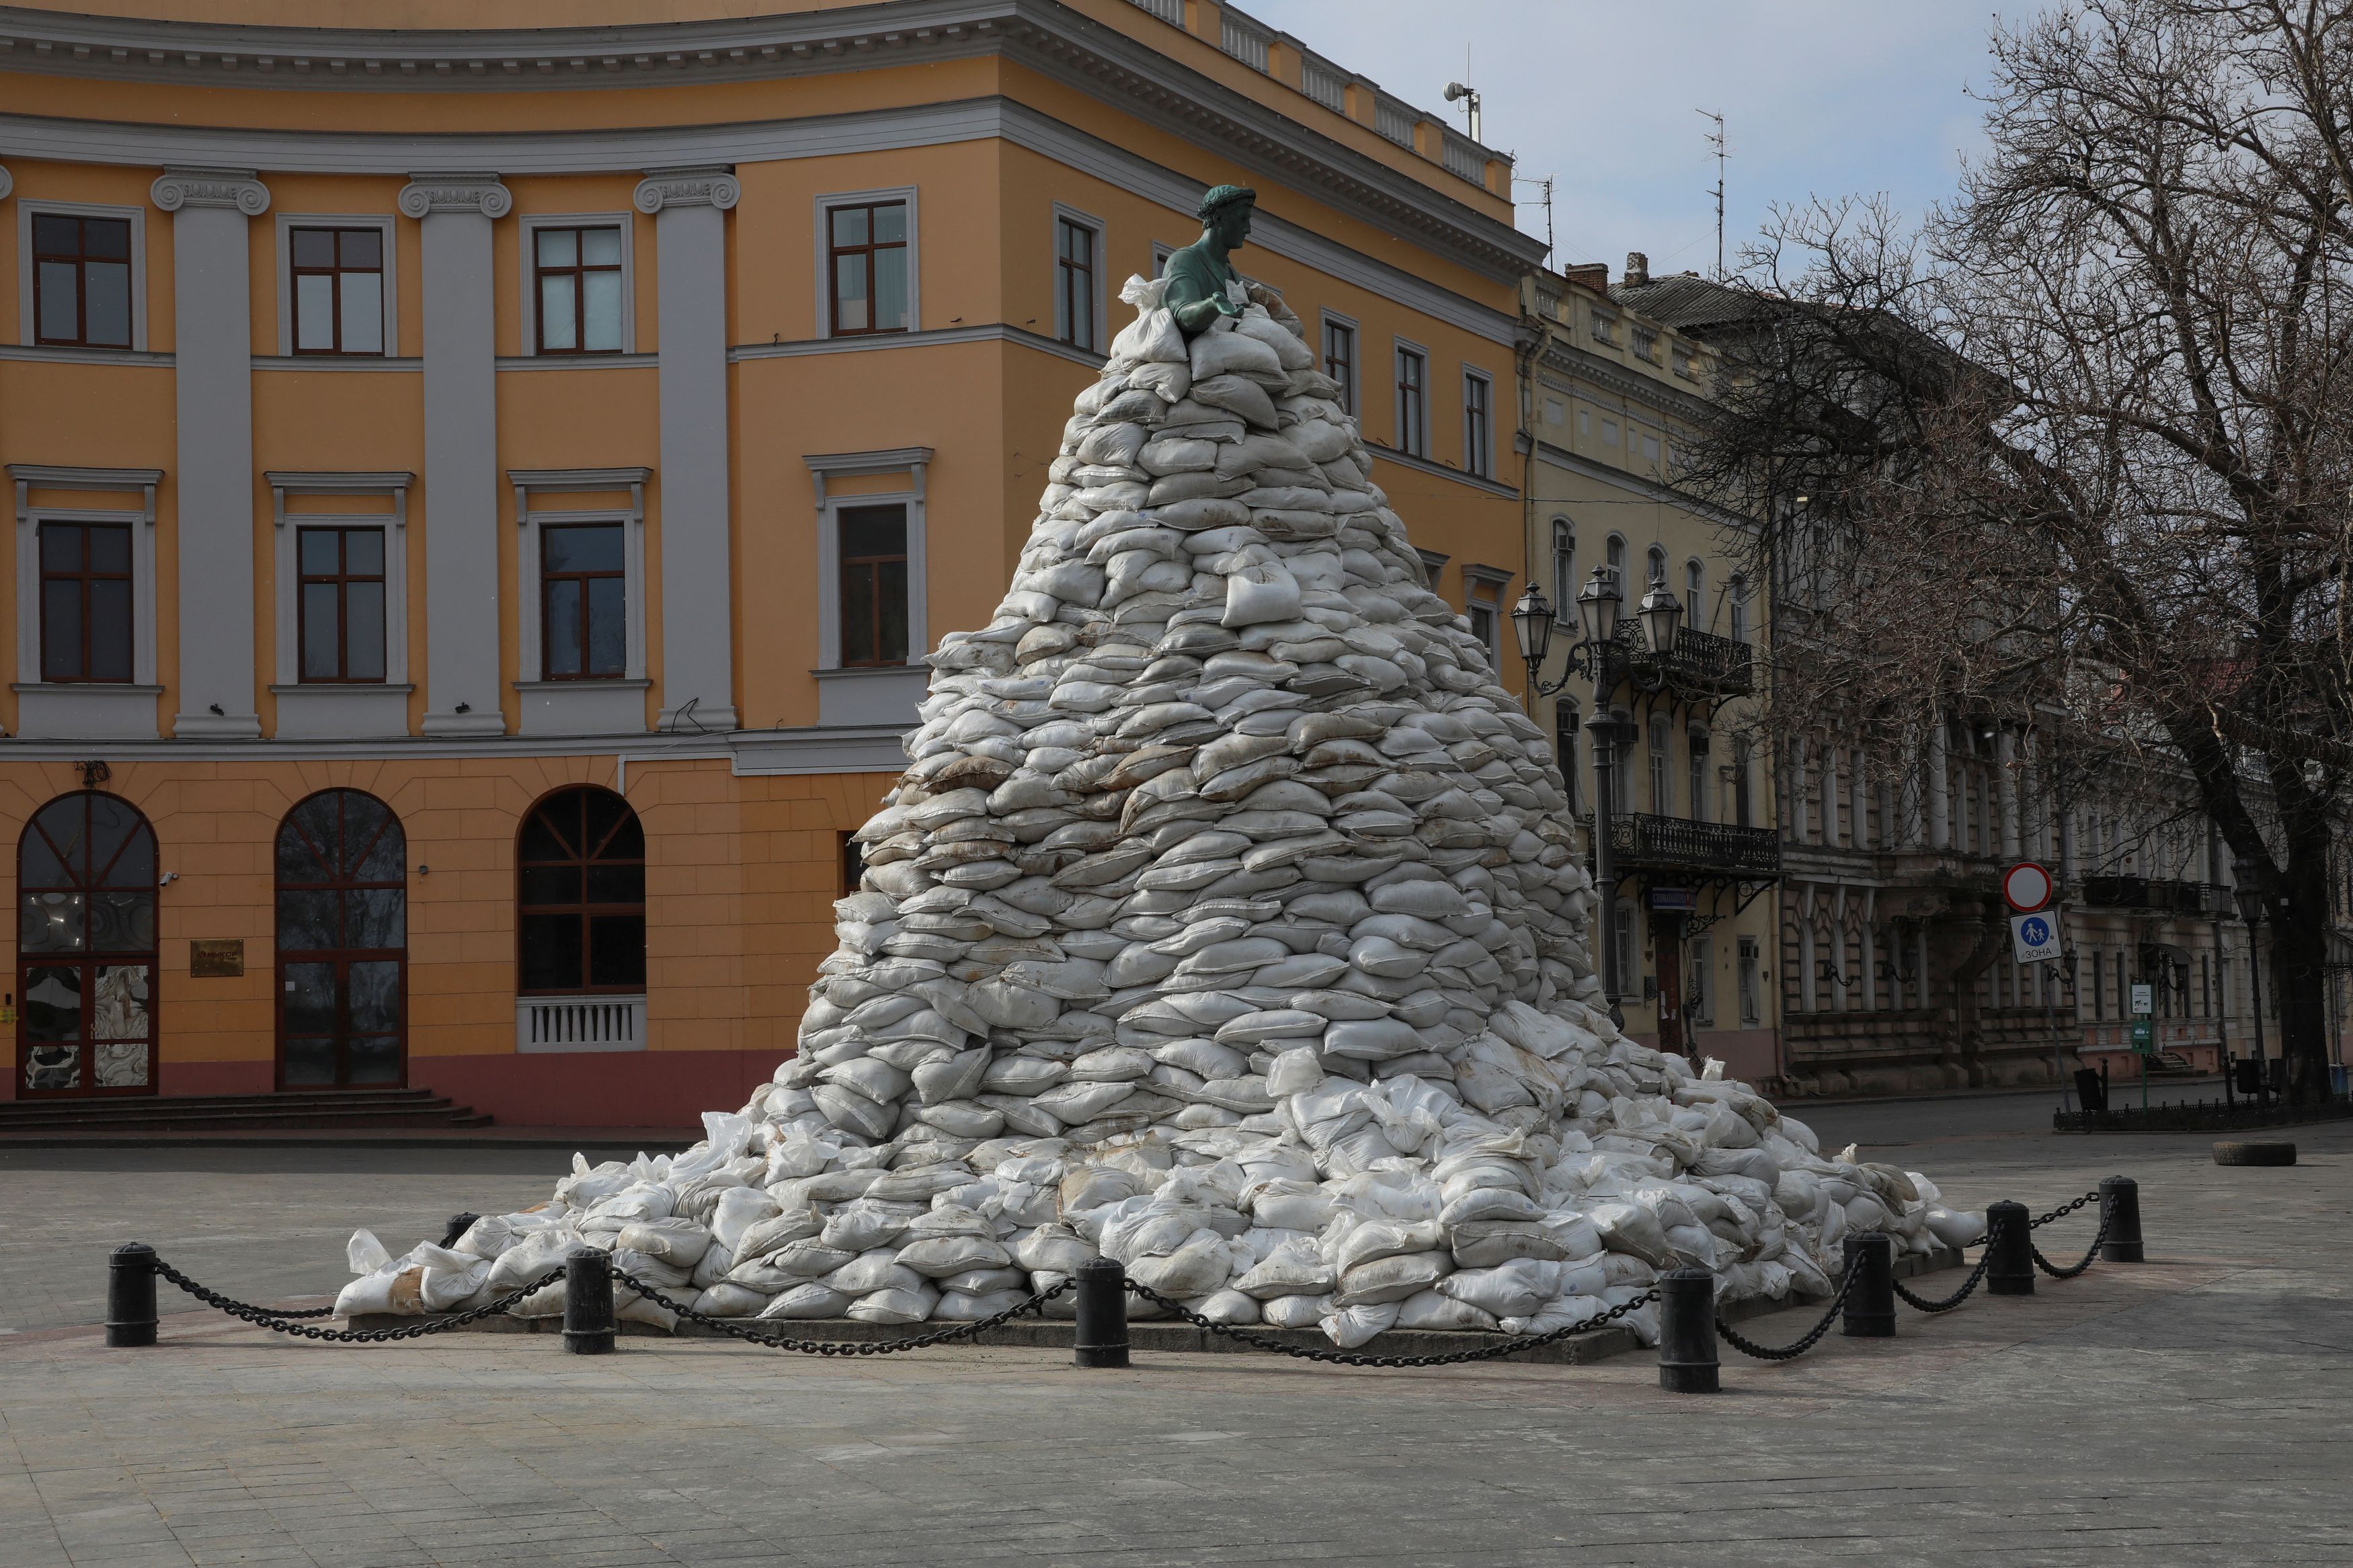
[2091, 1253]
[1976, 1276]
[2063, 1210]
[285, 1323]
[1749, 1347]
[734, 1328]
[1349, 1358]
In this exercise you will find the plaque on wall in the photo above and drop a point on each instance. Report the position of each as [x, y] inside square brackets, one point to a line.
[221, 955]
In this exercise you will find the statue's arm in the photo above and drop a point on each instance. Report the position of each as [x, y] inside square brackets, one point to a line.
[1195, 296]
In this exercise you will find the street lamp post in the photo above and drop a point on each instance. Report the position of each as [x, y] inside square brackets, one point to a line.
[1598, 605]
[2246, 886]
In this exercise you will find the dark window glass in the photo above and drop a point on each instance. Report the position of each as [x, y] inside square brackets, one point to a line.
[1340, 360]
[580, 884]
[1477, 419]
[338, 290]
[1076, 276]
[1413, 403]
[343, 933]
[867, 267]
[579, 276]
[584, 602]
[342, 603]
[81, 280]
[86, 945]
[874, 584]
[85, 613]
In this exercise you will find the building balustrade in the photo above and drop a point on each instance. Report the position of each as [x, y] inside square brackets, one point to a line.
[1644, 842]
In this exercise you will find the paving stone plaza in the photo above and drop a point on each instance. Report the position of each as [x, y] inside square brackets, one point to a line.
[2187, 1410]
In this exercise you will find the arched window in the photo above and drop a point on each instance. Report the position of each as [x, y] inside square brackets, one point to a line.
[581, 889]
[1663, 776]
[1564, 570]
[1695, 597]
[342, 942]
[1738, 597]
[86, 948]
[1616, 562]
[1657, 568]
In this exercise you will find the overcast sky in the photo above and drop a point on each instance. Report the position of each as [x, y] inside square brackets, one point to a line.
[1820, 97]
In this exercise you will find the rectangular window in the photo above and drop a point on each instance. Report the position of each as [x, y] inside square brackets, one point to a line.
[584, 602]
[81, 280]
[337, 278]
[1741, 808]
[1074, 279]
[578, 271]
[1662, 773]
[2099, 986]
[1478, 425]
[85, 601]
[1340, 359]
[866, 260]
[1413, 402]
[1702, 981]
[874, 584]
[1752, 1010]
[341, 603]
[1564, 750]
[1482, 624]
[1697, 797]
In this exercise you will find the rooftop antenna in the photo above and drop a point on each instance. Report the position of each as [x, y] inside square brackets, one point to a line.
[1715, 140]
[1455, 90]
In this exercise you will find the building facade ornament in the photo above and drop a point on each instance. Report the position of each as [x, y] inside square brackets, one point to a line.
[177, 188]
[712, 186]
[477, 192]
[7, 181]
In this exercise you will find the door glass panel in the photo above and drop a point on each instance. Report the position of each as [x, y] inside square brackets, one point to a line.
[308, 1062]
[53, 1003]
[616, 884]
[382, 858]
[50, 923]
[52, 1067]
[121, 1010]
[372, 990]
[309, 1002]
[551, 884]
[123, 922]
[373, 917]
[551, 952]
[306, 919]
[372, 1059]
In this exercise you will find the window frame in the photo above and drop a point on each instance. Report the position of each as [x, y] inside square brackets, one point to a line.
[85, 575]
[29, 517]
[84, 956]
[548, 580]
[1699, 752]
[1485, 588]
[1660, 759]
[1701, 968]
[1097, 288]
[530, 519]
[1564, 570]
[830, 506]
[1478, 423]
[27, 320]
[1411, 402]
[1750, 980]
[821, 235]
[384, 224]
[1351, 384]
[389, 491]
[584, 909]
[844, 561]
[1695, 596]
[344, 577]
[1567, 722]
[527, 323]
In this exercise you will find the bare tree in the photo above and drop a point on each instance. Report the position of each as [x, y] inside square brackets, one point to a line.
[2082, 447]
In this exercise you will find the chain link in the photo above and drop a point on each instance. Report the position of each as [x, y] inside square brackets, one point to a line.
[1349, 1358]
[735, 1330]
[2090, 1255]
[284, 1323]
[1976, 1276]
[2063, 1210]
[1749, 1347]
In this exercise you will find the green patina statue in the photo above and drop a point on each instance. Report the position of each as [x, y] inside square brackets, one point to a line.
[1202, 284]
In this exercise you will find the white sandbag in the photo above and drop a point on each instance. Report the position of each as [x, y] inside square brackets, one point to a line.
[1349, 1327]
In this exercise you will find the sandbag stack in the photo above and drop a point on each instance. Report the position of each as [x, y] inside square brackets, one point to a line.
[1226, 921]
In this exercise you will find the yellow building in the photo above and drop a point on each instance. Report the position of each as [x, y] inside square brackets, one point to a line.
[484, 485]
[1605, 394]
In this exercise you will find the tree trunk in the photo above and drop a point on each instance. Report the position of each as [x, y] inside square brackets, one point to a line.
[2298, 974]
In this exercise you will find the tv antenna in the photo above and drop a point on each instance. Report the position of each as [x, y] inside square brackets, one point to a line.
[1545, 185]
[1716, 143]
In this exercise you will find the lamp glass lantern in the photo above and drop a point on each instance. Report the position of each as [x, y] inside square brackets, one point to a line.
[1531, 624]
[1661, 613]
[2247, 888]
[1598, 606]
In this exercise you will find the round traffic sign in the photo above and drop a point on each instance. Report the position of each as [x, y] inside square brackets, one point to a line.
[2026, 886]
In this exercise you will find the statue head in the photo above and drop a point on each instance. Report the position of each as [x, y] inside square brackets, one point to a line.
[1225, 214]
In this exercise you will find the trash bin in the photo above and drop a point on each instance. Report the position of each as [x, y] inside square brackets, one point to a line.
[2090, 1089]
[2247, 1077]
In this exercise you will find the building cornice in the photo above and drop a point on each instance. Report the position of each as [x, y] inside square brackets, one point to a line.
[1044, 34]
[1569, 360]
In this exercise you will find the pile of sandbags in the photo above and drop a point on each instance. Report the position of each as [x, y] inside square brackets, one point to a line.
[1226, 921]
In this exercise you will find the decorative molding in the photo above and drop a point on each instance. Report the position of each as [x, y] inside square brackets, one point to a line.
[986, 332]
[711, 186]
[458, 193]
[577, 362]
[37, 354]
[7, 181]
[365, 714]
[575, 480]
[176, 188]
[1429, 465]
[912, 460]
[547, 710]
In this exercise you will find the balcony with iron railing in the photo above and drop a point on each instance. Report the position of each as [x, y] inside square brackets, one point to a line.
[1641, 842]
[2159, 894]
[1699, 664]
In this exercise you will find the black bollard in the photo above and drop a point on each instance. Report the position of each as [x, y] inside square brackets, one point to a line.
[2010, 1251]
[131, 1296]
[588, 1320]
[2120, 1212]
[1101, 1337]
[1871, 1304]
[460, 1223]
[1687, 1362]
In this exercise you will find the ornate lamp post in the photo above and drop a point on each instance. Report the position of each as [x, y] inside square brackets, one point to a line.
[2247, 888]
[1597, 607]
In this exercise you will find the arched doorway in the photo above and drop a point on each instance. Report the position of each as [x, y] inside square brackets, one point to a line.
[86, 949]
[342, 943]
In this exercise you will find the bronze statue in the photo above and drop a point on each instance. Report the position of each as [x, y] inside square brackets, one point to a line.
[1202, 283]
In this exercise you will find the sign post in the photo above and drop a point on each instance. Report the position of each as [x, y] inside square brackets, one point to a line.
[2144, 1034]
[2026, 888]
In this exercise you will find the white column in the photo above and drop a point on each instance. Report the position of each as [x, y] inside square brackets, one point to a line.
[212, 311]
[461, 451]
[689, 206]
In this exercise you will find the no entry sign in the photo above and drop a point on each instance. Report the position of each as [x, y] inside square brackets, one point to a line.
[2027, 886]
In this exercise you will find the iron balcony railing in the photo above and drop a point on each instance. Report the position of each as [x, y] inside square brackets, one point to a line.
[2163, 894]
[1641, 842]
[1701, 663]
